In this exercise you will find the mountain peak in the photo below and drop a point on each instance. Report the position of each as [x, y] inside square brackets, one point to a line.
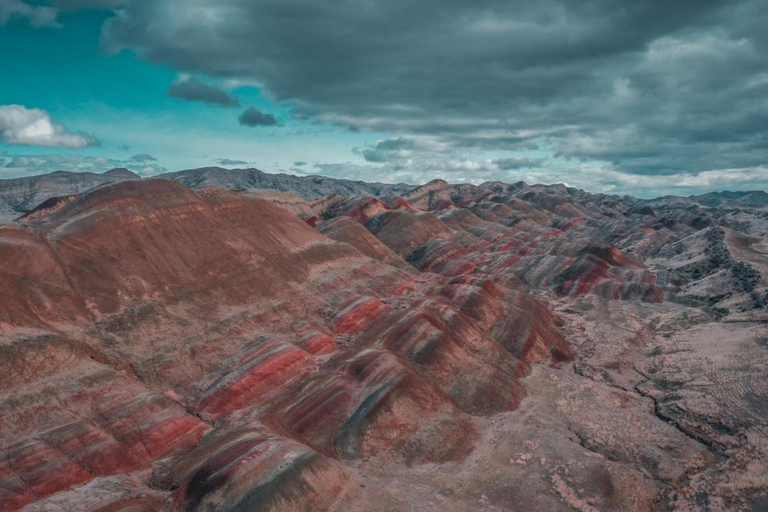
[121, 172]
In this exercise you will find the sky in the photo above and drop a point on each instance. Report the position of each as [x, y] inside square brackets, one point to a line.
[643, 98]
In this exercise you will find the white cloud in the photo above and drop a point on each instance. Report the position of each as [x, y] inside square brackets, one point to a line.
[34, 127]
[38, 16]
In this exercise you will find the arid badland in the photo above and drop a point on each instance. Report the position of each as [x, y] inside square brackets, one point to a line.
[233, 340]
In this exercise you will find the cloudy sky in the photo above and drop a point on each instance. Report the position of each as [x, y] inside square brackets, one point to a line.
[646, 98]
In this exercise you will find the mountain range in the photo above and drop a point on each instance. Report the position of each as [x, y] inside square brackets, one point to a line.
[233, 340]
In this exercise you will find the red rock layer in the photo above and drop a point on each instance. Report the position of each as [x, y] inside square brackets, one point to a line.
[251, 354]
[510, 236]
[69, 418]
[252, 469]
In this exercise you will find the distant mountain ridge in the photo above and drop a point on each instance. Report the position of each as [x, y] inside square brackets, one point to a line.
[749, 198]
[309, 187]
[19, 196]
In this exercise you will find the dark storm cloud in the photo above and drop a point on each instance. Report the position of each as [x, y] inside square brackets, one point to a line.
[371, 155]
[397, 144]
[511, 163]
[255, 117]
[192, 89]
[143, 158]
[396, 149]
[648, 88]
[88, 4]
[36, 15]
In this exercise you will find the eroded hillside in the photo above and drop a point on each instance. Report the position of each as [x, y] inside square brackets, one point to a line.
[502, 347]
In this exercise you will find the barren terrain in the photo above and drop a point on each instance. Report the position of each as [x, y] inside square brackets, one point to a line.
[442, 347]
